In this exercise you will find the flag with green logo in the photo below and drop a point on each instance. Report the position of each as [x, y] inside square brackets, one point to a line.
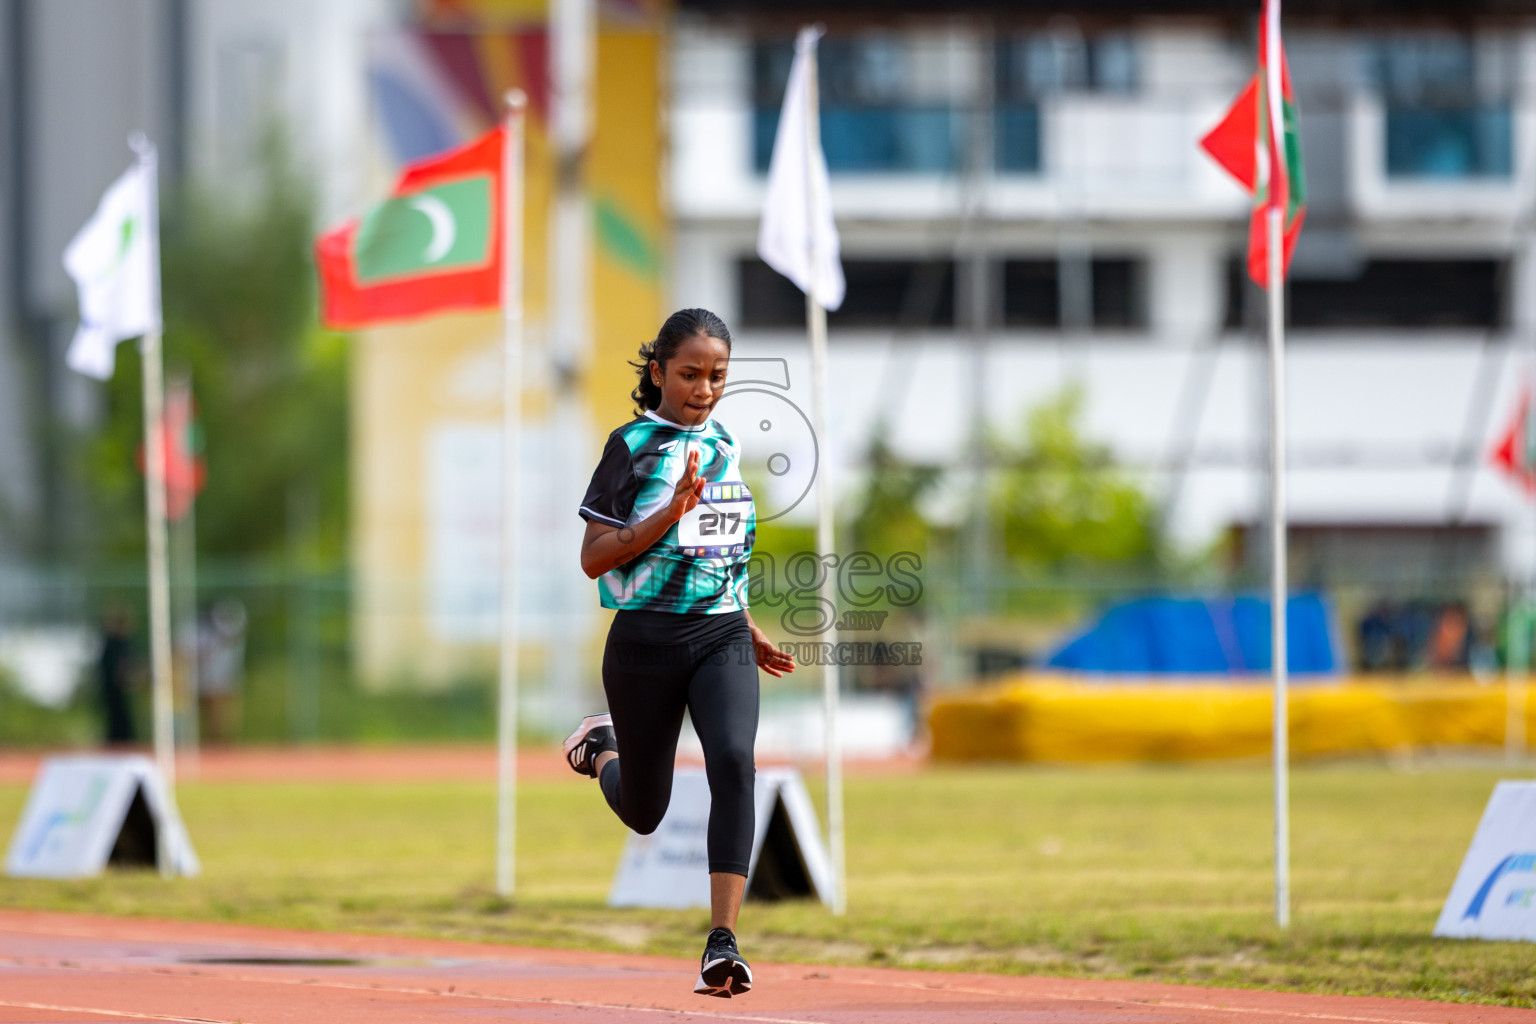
[433, 245]
[112, 261]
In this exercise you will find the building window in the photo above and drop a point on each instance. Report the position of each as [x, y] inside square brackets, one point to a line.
[1016, 131]
[1397, 294]
[1119, 294]
[1032, 293]
[881, 294]
[1018, 137]
[1244, 305]
[1467, 142]
[1404, 293]
[1447, 102]
[1031, 67]
[887, 103]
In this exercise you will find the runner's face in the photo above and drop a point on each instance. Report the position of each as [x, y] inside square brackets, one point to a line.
[692, 380]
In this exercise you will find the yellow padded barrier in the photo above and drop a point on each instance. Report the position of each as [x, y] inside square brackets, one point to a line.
[1046, 718]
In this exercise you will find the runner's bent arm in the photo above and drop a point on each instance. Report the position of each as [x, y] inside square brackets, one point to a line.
[606, 547]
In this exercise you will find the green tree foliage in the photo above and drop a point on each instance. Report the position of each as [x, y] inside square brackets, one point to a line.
[1059, 501]
[270, 386]
[890, 517]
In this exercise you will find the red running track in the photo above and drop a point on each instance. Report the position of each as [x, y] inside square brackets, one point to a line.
[70, 969]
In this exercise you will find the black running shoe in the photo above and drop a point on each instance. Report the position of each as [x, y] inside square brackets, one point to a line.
[592, 737]
[722, 972]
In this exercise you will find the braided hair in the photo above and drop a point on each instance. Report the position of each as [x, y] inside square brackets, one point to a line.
[680, 326]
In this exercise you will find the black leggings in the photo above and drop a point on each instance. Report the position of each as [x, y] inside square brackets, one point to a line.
[655, 665]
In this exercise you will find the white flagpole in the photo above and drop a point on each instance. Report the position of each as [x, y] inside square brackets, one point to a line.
[1274, 61]
[1517, 668]
[1277, 584]
[183, 540]
[154, 506]
[1516, 675]
[816, 323]
[154, 490]
[511, 423]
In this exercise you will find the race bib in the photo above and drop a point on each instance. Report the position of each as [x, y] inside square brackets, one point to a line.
[718, 524]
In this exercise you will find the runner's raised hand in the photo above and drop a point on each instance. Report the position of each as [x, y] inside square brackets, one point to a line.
[690, 489]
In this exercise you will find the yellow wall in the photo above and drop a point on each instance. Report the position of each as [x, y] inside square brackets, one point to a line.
[624, 171]
[409, 380]
[1059, 719]
[405, 379]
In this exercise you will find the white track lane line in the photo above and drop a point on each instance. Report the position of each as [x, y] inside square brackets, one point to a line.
[98, 1011]
[313, 983]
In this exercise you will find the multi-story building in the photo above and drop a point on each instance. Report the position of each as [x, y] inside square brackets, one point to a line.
[1023, 205]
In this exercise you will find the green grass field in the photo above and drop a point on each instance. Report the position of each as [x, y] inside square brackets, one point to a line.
[1158, 873]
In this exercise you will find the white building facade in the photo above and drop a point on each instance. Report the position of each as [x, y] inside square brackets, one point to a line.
[1023, 206]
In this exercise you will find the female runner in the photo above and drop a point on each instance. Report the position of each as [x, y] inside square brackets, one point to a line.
[670, 527]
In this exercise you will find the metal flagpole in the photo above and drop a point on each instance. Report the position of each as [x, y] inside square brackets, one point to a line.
[825, 545]
[1274, 63]
[183, 542]
[816, 323]
[511, 422]
[1277, 582]
[1516, 673]
[572, 56]
[1522, 609]
[154, 510]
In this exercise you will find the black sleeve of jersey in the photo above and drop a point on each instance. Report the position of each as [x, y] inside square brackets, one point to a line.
[611, 494]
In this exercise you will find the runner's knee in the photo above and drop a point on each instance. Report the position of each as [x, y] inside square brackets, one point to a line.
[730, 767]
[646, 818]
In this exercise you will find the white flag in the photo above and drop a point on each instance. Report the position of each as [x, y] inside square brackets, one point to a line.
[114, 263]
[797, 209]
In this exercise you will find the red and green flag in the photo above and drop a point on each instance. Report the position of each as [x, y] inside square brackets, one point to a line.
[433, 245]
[1259, 144]
[1515, 452]
[185, 471]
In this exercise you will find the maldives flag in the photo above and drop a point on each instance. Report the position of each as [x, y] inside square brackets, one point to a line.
[1516, 450]
[1258, 144]
[434, 244]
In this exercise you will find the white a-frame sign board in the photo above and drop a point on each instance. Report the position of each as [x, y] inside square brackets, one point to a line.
[670, 867]
[1494, 895]
[87, 811]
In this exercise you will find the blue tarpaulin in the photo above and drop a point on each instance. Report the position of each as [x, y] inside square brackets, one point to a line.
[1191, 636]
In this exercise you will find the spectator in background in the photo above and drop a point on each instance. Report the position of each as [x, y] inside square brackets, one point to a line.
[1415, 631]
[1423, 636]
[1482, 652]
[220, 668]
[114, 674]
[1375, 636]
[1451, 642]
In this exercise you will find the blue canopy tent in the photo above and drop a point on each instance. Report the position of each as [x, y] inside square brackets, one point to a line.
[1194, 636]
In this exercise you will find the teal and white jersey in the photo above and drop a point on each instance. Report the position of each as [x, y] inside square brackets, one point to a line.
[700, 563]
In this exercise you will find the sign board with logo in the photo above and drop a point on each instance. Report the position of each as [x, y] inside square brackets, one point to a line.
[86, 811]
[1494, 896]
[669, 868]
